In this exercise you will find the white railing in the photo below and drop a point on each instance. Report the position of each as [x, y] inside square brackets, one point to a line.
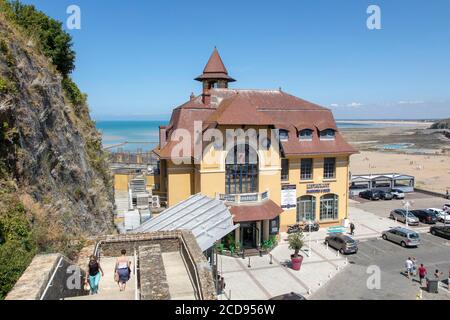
[244, 197]
[50, 282]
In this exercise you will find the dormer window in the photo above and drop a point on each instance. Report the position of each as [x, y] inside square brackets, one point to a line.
[328, 134]
[305, 135]
[284, 135]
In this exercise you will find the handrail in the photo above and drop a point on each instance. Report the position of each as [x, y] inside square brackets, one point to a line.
[197, 286]
[49, 283]
[135, 269]
[97, 249]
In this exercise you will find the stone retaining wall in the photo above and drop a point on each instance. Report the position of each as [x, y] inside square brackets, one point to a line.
[111, 246]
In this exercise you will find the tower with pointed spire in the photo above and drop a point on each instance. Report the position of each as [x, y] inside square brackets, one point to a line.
[215, 75]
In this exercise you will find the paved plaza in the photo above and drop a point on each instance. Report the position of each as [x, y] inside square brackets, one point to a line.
[263, 280]
[328, 275]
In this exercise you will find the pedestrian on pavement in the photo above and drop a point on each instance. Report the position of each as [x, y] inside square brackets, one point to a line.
[414, 268]
[94, 274]
[408, 266]
[122, 271]
[437, 274]
[352, 228]
[448, 280]
[422, 273]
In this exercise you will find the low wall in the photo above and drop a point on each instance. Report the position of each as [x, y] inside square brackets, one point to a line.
[152, 275]
[432, 193]
[67, 281]
[111, 246]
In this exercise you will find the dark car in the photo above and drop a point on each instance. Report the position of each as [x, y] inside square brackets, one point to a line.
[370, 195]
[289, 296]
[440, 231]
[343, 243]
[385, 195]
[425, 216]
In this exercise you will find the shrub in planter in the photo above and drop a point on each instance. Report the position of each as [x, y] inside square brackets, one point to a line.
[295, 241]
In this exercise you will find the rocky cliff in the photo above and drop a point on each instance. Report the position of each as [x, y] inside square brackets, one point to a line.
[54, 181]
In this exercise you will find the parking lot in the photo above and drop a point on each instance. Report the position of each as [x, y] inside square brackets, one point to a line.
[382, 208]
[351, 283]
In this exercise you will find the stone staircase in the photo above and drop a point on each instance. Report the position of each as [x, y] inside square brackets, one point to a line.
[109, 289]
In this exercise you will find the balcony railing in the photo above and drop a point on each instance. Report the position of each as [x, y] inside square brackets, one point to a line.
[244, 197]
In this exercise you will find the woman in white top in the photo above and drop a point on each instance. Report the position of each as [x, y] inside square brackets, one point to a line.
[123, 270]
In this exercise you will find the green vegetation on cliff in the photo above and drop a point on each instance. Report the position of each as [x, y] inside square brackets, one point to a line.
[55, 186]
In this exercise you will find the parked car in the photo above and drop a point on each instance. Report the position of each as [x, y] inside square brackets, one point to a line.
[370, 195]
[403, 216]
[443, 216]
[343, 243]
[446, 207]
[385, 195]
[440, 231]
[425, 216]
[402, 236]
[289, 296]
[398, 194]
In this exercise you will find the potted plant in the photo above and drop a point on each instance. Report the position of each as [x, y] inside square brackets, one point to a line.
[296, 243]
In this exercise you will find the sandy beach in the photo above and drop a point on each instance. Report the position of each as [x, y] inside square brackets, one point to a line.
[413, 149]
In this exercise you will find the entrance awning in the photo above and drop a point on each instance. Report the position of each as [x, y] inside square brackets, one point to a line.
[267, 210]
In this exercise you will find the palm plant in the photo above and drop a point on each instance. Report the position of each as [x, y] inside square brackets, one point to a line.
[296, 242]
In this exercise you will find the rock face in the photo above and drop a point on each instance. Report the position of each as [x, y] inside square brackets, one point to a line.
[50, 147]
[442, 124]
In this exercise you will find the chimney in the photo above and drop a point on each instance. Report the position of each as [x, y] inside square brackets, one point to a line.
[162, 136]
[206, 98]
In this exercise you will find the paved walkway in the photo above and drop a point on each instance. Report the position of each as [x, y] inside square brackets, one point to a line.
[180, 285]
[109, 289]
[263, 280]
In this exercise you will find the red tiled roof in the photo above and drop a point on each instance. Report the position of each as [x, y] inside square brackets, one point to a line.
[264, 211]
[215, 69]
[261, 107]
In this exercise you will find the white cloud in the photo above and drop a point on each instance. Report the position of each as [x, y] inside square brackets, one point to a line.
[334, 105]
[411, 102]
[354, 104]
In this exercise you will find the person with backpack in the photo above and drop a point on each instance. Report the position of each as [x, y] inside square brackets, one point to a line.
[94, 271]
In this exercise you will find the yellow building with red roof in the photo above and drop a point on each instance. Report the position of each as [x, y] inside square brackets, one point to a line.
[298, 169]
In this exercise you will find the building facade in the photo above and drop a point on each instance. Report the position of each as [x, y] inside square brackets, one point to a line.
[298, 170]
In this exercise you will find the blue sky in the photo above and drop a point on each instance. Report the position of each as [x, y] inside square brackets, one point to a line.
[137, 59]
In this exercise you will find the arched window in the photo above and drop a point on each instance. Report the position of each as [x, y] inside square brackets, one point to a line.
[305, 135]
[329, 207]
[328, 134]
[241, 170]
[284, 135]
[306, 208]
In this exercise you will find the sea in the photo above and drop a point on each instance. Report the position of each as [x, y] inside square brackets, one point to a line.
[143, 136]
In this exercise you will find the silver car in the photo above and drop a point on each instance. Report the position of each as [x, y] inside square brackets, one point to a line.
[403, 216]
[398, 194]
[402, 236]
